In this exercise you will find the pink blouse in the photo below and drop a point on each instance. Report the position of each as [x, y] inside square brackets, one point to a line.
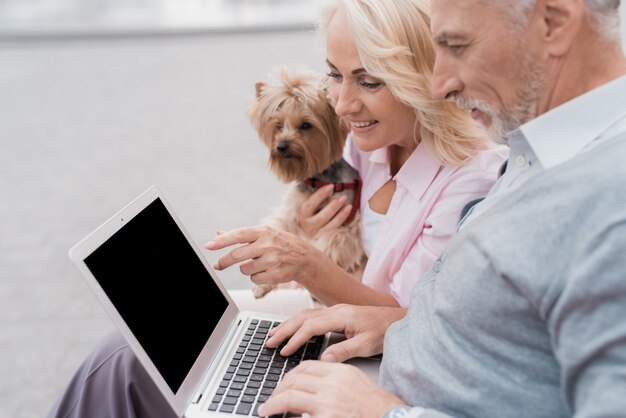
[423, 213]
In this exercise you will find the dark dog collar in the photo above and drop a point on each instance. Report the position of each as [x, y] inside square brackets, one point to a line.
[340, 187]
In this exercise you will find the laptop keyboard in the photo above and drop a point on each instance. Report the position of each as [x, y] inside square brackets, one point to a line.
[255, 370]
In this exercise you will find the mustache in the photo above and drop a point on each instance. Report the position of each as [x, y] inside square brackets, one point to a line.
[471, 104]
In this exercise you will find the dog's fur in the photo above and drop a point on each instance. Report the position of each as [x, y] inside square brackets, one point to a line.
[296, 121]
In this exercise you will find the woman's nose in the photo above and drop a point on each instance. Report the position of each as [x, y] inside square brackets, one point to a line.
[346, 101]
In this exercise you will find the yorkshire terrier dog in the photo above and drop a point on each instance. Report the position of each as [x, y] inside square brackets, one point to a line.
[296, 121]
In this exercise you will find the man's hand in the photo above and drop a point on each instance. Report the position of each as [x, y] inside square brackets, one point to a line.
[328, 390]
[364, 327]
[314, 220]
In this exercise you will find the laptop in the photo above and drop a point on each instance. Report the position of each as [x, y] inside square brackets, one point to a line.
[206, 357]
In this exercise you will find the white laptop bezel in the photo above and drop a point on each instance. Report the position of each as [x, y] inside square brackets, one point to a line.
[180, 400]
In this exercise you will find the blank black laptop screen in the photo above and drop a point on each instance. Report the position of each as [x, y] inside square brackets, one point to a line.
[161, 288]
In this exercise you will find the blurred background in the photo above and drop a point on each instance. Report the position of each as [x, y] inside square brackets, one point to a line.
[99, 99]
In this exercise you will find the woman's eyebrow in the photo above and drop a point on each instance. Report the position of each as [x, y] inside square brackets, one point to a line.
[357, 71]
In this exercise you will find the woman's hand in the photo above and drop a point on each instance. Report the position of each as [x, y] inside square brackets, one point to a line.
[328, 390]
[364, 327]
[314, 220]
[268, 256]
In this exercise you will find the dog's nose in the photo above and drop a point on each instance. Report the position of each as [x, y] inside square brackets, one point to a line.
[283, 147]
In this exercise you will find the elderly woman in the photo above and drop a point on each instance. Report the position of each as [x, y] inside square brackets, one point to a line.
[421, 161]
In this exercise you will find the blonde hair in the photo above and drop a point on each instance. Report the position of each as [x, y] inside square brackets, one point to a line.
[395, 45]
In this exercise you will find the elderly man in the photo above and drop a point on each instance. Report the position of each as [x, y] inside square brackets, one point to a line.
[525, 312]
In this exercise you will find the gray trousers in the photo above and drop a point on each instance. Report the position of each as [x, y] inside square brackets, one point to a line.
[111, 383]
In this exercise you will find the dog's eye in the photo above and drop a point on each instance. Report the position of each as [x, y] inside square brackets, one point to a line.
[279, 126]
[305, 126]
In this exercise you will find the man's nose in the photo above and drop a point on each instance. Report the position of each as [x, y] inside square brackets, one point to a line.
[346, 101]
[445, 83]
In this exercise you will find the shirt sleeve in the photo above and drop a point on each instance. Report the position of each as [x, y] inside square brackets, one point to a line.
[587, 323]
[439, 226]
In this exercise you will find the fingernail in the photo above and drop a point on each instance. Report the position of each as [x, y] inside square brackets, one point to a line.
[329, 358]
[216, 266]
[209, 245]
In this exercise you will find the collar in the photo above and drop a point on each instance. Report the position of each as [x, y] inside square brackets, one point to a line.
[417, 173]
[561, 133]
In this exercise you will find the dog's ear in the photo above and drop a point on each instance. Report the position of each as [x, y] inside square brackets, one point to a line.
[258, 87]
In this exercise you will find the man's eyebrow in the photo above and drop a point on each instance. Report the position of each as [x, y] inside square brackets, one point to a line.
[355, 72]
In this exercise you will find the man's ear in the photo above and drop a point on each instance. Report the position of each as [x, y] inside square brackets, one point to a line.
[562, 22]
[258, 87]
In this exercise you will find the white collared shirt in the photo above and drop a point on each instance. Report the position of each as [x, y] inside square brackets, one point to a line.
[558, 136]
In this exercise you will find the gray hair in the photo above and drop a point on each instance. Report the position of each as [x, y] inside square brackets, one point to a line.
[604, 13]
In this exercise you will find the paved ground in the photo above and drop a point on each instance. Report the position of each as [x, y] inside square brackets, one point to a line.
[85, 127]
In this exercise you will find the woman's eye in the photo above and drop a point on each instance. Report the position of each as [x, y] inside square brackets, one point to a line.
[334, 75]
[372, 85]
[305, 126]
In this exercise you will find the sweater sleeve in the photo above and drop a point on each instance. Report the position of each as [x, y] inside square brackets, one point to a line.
[587, 322]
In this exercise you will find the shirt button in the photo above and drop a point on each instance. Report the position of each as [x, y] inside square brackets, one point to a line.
[437, 266]
[520, 160]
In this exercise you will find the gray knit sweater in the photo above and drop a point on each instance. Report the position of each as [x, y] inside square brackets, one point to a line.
[524, 315]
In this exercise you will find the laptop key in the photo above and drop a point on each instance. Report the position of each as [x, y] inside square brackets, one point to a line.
[233, 394]
[267, 391]
[259, 370]
[213, 406]
[244, 408]
[227, 408]
[270, 385]
[217, 399]
[250, 391]
[256, 377]
[236, 386]
[230, 401]
[220, 391]
[247, 399]
[243, 372]
[240, 379]
[254, 385]
[263, 364]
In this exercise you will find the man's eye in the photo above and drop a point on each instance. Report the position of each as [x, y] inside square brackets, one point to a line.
[456, 49]
[305, 126]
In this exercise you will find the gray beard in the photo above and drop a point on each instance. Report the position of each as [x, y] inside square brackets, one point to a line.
[506, 120]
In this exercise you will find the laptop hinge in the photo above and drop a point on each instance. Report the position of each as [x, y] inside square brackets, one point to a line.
[221, 352]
